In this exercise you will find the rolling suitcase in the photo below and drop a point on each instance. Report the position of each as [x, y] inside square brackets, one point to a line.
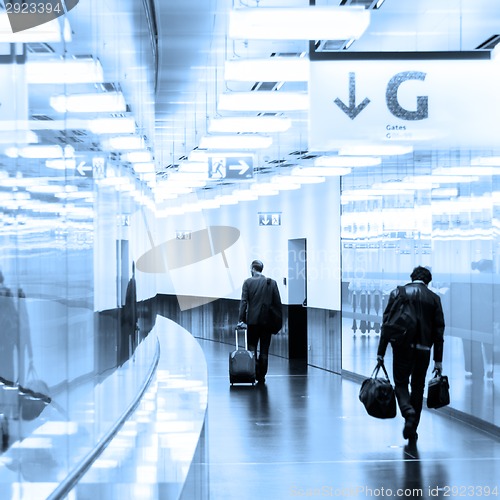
[241, 364]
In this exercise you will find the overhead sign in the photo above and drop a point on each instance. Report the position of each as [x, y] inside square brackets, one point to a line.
[230, 167]
[269, 219]
[403, 102]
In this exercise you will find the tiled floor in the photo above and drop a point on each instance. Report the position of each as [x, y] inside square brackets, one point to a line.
[305, 434]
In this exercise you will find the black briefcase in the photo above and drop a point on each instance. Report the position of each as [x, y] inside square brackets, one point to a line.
[438, 392]
[377, 395]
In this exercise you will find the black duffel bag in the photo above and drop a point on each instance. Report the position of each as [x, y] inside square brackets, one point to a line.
[377, 395]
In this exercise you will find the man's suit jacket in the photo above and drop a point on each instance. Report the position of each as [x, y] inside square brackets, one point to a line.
[255, 294]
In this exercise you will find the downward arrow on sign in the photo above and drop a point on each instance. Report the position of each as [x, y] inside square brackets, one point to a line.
[352, 110]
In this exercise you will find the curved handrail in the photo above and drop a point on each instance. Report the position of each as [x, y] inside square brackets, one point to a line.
[77, 473]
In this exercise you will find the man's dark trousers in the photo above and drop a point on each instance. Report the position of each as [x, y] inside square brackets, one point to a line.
[409, 367]
[257, 335]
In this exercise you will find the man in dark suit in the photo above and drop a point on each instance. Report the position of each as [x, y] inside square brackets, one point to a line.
[257, 295]
[411, 360]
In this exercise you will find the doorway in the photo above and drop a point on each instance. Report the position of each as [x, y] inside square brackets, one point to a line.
[297, 299]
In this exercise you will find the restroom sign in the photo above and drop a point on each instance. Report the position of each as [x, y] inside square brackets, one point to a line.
[403, 102]
[269, 219]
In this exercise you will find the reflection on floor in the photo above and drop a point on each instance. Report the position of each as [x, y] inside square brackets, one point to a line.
[302, 434]
[305, 434]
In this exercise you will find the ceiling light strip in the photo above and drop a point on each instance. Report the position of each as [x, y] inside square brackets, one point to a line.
[298, 23]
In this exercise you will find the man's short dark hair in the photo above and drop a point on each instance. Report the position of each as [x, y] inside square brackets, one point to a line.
[257, 265]
[422, 274]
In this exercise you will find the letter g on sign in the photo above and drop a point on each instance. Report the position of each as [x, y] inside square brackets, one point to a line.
[391, 97]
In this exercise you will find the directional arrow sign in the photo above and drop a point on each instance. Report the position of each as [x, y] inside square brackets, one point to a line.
[352, 110]
[83, 169]
[230, 167]
[242, 168]
[269, 219]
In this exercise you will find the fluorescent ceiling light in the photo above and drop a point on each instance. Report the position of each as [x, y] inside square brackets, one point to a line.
[488, 161]
[45, 189]
[123, 143]
[227, 199]
[325, 171]
[300, 23]
[264, 189]
[347, 161]
[109, 102]
[76, 195]
[396, 186]
[208, 204]
[112, 126]
[304, 176]
[203, 155]
[165, 187]
[13, 136]
[81, 70]
[143, 168]
[41, 151]
[272, 69]
[249, 124]
[188, 177]
[444, 193]
[471, 170]
[245, 195]
[61, 163]
[137, 157]
[193, 167]
[48, 32]
[285, 182]
[235, 142]
[266, 101]
[376, 150]
[443, 179]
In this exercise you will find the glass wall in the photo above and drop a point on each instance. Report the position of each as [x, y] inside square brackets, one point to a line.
[71, 93]
[438, 209]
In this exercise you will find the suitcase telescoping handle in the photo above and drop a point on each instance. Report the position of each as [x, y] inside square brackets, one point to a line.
[236, 334]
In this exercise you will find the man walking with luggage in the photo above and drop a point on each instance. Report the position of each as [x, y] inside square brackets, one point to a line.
[411, 357]
[257, 295]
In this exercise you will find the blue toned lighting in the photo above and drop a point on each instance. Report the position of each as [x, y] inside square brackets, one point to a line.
[298, 23]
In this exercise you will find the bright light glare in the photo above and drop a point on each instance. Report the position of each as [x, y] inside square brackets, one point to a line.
[41, 151]
[347, 161]
[375, 150]
[137, 157]
[236, 142]
[112, 126]
[124, 142]
[306, 23]
[266, 101]
[61, 163]
[143, 168]
[86, 70]
[273, 69]
[193, 167]
[488, 161]
[109, 102]
[262, 124]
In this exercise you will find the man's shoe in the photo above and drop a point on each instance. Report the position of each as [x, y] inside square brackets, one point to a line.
[410, 428]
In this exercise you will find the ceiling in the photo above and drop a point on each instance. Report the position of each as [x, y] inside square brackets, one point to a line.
[191, 46]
